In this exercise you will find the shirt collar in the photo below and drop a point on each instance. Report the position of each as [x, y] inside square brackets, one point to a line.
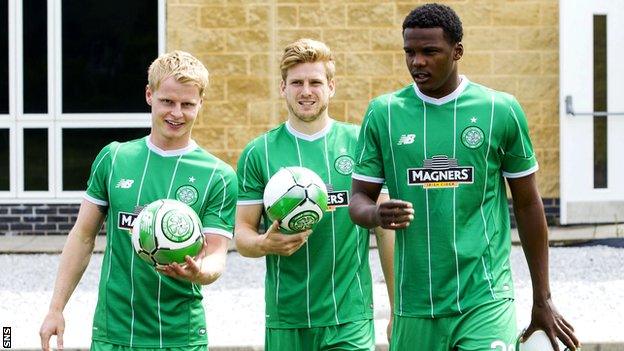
[443, 100]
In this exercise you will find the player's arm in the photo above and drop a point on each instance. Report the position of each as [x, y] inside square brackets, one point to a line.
[73, 262]
[385, 247]
[250, 243]
[391, 214]
[533, 232]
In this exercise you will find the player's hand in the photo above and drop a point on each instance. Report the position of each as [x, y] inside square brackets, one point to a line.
[274, 242]
[544, 316]
[190, 270]
[53, 324]
[394, 214]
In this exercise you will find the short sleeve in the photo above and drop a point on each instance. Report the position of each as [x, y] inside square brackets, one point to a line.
[250, 178]
[220, 211]
[518, 157]
[97, 185]
[368, 157]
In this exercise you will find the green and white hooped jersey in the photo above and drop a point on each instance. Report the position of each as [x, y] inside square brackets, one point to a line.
[328, 281]
[136, 305]
[448, 157]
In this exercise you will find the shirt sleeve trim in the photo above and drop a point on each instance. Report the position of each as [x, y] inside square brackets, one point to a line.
[217, 231]
[94, 200]
[249, 202]
[367, 178]
[521, 174]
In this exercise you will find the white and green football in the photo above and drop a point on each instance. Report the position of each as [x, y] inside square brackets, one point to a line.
[165, 231]
[296, 197]
[538, 341]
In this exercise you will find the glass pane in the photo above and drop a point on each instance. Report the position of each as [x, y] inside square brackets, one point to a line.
[107, 48]
[36, 159]
[35, 56]
[4, 57]
[600, 101]
[81, 146]
[4, 160]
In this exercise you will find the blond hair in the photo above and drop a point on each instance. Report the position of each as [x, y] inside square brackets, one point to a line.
[182, 66]
[307, 51]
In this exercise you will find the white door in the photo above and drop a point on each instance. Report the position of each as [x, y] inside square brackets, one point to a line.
[591, 111]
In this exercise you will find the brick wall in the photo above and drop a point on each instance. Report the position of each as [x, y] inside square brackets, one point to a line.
[37, 219]
[510, 45]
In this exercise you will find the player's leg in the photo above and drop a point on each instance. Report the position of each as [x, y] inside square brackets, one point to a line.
[409, 333]
[487, 327]
[295, 339]
[351, 336]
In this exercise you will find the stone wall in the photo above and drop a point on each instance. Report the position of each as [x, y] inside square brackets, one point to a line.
[510, 45]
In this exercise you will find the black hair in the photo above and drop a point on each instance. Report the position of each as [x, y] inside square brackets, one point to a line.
[436, 15]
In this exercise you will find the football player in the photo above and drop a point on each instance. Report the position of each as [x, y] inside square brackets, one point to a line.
[318, 291]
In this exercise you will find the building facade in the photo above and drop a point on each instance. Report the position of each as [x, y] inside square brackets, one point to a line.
[77, 86]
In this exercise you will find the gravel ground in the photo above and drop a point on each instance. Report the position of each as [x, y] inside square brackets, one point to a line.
[587, 285]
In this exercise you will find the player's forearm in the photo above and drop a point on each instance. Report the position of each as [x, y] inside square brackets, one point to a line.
[533, 233]
[385, 247]
[73, 262]
[362, 210]
[249, 242]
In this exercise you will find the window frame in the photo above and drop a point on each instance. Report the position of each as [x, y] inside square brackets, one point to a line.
[55, 120]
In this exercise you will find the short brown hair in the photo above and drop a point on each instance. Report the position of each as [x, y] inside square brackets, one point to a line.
[181, 65]
[307, 51]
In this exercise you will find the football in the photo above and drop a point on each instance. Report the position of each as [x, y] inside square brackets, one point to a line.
[165, 231]
[538, 341]
[296, 197]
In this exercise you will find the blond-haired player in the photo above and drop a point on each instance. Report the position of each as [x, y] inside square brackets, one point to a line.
[139, 307]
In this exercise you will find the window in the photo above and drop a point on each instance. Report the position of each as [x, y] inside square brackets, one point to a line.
[99, 59]
[81, 144]
[35, 68]
[66, 95]
[4, 160]
[36, 159]
[600, 101]
[4, 58]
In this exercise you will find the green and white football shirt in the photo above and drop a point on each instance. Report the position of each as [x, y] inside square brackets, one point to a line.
[137, 306]
[448, 157]
[328, 281]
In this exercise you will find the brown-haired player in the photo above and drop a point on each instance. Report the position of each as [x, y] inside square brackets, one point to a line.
[318, 291]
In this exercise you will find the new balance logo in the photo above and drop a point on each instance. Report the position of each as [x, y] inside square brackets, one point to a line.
[125, 183]
[406, 139]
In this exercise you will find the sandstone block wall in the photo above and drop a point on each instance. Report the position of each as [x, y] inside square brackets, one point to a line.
[510, 45]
